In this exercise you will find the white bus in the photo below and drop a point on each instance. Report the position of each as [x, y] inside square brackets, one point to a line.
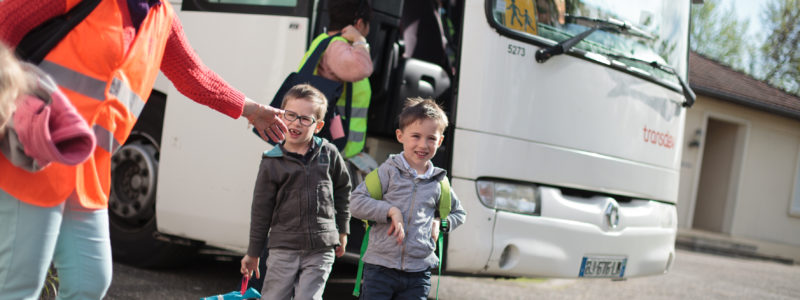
[566, 164]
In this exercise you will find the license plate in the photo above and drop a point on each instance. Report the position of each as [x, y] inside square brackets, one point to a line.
[603, 266]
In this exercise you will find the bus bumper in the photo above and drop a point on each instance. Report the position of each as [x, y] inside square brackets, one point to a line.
[556, 243]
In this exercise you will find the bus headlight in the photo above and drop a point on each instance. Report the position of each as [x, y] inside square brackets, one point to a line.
[513, 197]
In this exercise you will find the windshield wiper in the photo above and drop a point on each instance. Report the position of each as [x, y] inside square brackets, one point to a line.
[688, 93]
[610, 24]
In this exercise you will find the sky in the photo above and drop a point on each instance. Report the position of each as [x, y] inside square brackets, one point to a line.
[747, 9]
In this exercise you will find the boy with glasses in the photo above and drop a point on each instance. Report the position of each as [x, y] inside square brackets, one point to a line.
[300, 201]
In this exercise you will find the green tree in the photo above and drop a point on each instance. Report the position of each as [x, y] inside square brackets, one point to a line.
[717, 33]
[779, 63]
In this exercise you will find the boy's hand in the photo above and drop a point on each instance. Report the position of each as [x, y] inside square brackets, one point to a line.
[342, 244]
[250, 264]
[396, 229]
[435, 229]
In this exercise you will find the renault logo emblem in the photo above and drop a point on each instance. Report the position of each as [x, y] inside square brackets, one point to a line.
[612, 214]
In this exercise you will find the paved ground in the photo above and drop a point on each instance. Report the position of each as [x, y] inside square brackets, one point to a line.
[694, 276]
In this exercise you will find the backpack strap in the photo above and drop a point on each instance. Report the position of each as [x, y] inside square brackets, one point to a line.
[444, 200]
[373, 184]
[444, 211]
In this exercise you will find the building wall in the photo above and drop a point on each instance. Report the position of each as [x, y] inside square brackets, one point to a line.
[761, 192]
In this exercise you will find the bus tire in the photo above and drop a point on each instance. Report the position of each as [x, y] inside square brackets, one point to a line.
[132, 219]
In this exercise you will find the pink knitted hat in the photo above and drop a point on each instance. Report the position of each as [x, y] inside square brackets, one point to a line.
[53, 132]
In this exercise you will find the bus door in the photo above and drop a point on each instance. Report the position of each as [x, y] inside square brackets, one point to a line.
[409, 51]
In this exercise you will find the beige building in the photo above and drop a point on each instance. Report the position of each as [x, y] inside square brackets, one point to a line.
[740, 170]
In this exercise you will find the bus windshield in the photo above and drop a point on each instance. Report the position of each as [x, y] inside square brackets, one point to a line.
[657, 33]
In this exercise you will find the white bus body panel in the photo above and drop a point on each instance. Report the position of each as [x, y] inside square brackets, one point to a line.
[567, 104]
[214, 205]
[572, 123]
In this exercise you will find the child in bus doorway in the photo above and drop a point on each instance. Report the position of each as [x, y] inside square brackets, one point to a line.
[400, 252]
[301, 201]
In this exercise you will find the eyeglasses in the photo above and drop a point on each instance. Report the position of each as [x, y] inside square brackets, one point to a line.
[306, 121]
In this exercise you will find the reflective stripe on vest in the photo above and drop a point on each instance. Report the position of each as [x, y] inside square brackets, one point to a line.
[358, 119]
[357, 112]
[105, 139]
[108, 88]
[94, 88]
[75, 81]
[362, 94]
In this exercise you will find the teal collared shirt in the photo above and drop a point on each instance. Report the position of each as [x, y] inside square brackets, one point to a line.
[277, 151]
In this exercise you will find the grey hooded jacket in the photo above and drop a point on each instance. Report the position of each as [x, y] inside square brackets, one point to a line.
[417, 199]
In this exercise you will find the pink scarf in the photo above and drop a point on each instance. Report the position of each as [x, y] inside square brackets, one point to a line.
[51, 130]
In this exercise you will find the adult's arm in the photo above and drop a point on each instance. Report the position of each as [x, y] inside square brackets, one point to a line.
[17, 17]
[195, 80]
[346, 62]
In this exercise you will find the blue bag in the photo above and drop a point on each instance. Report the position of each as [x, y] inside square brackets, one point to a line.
[243, 293]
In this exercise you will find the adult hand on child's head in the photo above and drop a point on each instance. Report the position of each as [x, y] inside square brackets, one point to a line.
[249, 264]
[342, 245]
[396, 228]
[266, 120]
[352, 34]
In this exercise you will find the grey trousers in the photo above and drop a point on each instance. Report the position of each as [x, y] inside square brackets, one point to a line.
[298, 274]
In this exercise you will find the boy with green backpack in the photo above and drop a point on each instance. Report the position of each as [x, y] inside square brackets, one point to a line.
[407, 220]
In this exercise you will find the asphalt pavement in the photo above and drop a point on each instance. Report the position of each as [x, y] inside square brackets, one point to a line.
[694, 276]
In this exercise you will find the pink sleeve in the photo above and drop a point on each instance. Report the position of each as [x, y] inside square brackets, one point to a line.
[194, 80]
[17, 17]
[345, 62]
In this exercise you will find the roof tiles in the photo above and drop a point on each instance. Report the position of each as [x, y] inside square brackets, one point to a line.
[711, 78]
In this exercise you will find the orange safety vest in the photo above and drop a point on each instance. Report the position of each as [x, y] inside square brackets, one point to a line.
[109, 88]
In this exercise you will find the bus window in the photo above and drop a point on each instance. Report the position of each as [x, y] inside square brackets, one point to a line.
[258, 2]
[298, 8]
[636, 35]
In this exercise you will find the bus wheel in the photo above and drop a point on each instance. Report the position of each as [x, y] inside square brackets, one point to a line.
[131, 209]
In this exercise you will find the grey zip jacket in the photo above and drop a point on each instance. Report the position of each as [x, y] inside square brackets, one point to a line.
[418, 200]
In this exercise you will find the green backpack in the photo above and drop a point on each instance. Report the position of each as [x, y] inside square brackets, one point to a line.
[373, 183]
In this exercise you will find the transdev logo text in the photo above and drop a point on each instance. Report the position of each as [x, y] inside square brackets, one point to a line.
[663, 139]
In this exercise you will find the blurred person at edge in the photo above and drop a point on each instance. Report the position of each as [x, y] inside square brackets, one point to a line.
[105, 63]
